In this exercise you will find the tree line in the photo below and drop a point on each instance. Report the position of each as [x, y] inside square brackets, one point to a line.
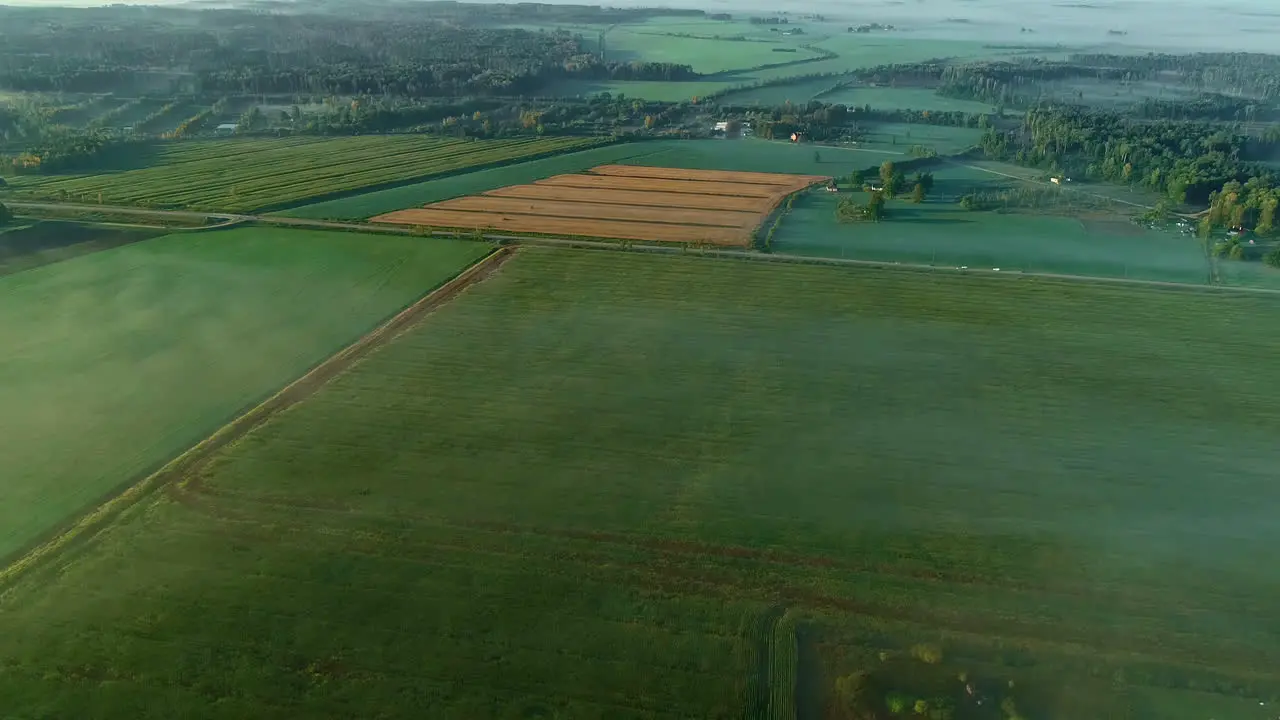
[155, 50]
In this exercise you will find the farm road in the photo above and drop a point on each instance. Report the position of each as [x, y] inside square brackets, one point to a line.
[232, 218]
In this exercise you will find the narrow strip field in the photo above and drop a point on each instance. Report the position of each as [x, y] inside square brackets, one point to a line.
[571, 227]
[243, 175]
[629, 197]
[679, 216]
[116, 361]
[615, 485]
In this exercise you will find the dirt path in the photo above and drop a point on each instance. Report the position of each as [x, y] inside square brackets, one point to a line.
[83, 529]
[675, 249]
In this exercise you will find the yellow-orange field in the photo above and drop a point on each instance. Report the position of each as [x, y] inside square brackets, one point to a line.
[621, 202]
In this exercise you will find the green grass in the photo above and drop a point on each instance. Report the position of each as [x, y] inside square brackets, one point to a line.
[797, 93]
[36, 243]
[941, 233]
[575, 490]
[704, 53]
[359, 207]
[888, 98]
[243, 175]
[116, 361]
[900, 137]
[755, 155]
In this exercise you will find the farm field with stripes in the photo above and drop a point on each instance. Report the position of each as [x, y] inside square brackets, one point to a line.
[622, 202]
[257, 174]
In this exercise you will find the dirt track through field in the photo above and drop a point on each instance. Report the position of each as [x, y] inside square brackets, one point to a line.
[657, 185]
[630, 197]
[681, 216]
[87, 527]
[580, 227]
[726, 176]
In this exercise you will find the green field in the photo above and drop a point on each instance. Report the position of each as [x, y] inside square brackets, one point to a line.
[114, 362]
[244, 175]
[889, 98]
[705, 53]
[30, 244]
[946, 140]
[941, 233]
[755, 155]
[797, 93]
[604, 485]
[365, 205]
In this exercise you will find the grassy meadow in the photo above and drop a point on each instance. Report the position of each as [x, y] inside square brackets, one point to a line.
[698, 48]
[756, 155]
[892, 98]
[249, 174]
[604, 485]
[942, 233]
[114, 362]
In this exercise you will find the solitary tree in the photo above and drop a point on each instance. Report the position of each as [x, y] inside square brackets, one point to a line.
[894, 184]
[925, 179]
[876, 207]
[886, 171]
[817, 156]
[6, 215]
[917, 193]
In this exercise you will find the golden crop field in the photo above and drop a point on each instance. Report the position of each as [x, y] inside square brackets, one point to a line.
[622, 203]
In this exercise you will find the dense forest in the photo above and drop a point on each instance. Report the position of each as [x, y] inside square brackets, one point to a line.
[1187, 161]
[143, 49]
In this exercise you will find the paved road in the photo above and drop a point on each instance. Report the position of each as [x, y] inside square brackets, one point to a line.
[232, 218]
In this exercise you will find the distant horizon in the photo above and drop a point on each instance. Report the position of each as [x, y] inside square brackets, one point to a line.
[1231, 25]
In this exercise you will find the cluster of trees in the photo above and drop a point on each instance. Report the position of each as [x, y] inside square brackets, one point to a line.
[874, 210]
[1186, 160]
[405, 53]
[892, 182]
[1251, 80]
[1255, 74]
[64, 151]
[820, 121]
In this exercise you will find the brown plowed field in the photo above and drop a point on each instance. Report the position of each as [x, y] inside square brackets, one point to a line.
[588, 196]
[621, 202]
[524, 206]
[656, 185]
[541, 224]
[750, 178]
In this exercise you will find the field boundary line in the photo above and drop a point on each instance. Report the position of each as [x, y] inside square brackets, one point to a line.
[91, 523]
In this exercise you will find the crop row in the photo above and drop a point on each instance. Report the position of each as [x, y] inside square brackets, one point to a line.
[243, 176]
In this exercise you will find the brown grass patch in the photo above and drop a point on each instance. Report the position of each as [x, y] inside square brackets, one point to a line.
[526, 206]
